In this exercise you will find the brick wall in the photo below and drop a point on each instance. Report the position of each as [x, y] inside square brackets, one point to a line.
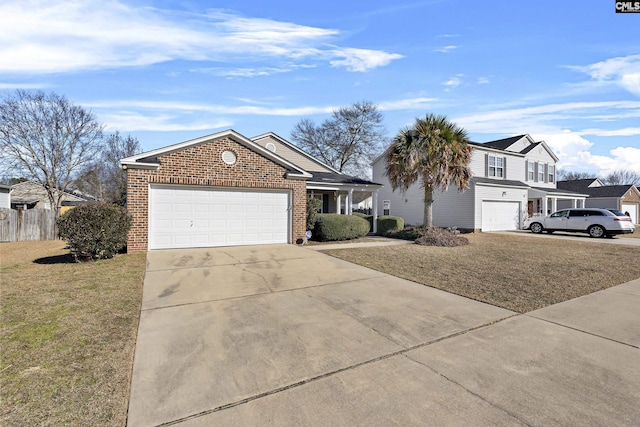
[202, 165]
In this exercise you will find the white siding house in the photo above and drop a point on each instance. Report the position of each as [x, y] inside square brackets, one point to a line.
[5, 196]
[512, 178]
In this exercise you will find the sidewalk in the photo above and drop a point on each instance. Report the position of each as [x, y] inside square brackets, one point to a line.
[379, 241]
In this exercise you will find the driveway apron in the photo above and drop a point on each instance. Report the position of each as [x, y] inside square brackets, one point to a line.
[283, 335]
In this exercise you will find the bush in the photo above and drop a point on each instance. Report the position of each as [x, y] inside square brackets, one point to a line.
[409, 233]
[387, 223]
[95, 230]
[331, 227]
[365, 216]
[313, 206]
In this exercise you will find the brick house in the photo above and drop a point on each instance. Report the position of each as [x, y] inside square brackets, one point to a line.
[225, 189]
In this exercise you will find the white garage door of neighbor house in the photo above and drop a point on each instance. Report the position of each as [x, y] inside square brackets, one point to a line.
[500, 216]
[633, 212]
[188, 217]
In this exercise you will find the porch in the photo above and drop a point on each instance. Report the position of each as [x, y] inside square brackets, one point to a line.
[543, 202]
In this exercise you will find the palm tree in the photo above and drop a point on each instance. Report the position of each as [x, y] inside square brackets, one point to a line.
[434, 151]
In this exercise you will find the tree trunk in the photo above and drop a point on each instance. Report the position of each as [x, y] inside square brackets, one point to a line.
[428, 206]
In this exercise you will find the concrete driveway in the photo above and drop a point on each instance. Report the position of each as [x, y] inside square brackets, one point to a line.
[283, 335]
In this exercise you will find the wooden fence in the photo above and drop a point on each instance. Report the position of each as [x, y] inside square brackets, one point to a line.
[30, 224]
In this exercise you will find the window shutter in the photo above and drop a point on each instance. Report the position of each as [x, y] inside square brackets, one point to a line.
[504, 167]
[526, 170]
[486, 165]
[535, 172]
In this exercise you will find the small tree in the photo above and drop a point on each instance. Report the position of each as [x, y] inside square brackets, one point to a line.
[46, 138]
[435, 152]
[313, 208]
[622, 177]
[347, 141]
[95, 230]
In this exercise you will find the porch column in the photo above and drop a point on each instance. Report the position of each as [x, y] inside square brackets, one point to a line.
[338, 202]
[554, 204]
[374, 201]
[544, 205]
[349, 208]
[574, 203]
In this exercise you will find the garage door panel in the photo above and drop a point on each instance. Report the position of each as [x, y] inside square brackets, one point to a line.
[633, 212]
[500, 216]
[197, 217]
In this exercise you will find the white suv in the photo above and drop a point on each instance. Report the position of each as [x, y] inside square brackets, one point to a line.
[596, 222]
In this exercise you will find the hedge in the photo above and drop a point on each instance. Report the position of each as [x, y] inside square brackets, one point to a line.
[331, 227]
[387, 223]
[365, 216]
[95, 230]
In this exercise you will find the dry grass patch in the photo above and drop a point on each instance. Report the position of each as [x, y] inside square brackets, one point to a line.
[520, 273]
[635, 234]
[68, 334]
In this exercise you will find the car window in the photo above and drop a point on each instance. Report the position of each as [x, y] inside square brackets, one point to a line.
[559, 214]
[595, 213]
[616, 212]
[577, 213]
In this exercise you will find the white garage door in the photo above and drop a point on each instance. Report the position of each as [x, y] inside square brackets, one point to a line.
[633, 212]
[499, 216]
[188, 217]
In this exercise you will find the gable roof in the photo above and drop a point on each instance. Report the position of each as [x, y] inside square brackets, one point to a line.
[33, 192]
[503, 144]
[295, 153]
[149, 159]
[576, 184]
[609, 190]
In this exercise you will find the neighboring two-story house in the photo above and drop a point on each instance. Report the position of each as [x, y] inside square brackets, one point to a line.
[512, 179]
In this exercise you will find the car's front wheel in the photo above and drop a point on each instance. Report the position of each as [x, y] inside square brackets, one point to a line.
[536, 228]
[597, 231]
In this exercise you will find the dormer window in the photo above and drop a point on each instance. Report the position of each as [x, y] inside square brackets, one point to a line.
[496, 166]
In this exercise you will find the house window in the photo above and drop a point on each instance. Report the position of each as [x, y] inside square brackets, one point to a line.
[540, 172]
[496, 166]
[552, 173]
[531, 170]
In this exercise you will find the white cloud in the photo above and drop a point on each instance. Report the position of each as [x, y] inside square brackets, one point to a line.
[623, 71]
[133, 121]
[453, 81]
[4, 86]
[45, 36]
[628, 131]
[483, 80]
[445, 49]
[419, 103]
[361, 59]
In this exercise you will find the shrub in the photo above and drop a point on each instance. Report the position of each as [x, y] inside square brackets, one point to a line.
[95, 230]
[340, 227]
[313, 206]
[409, 233]
[365, 216]
[387, 223]
[434, 236]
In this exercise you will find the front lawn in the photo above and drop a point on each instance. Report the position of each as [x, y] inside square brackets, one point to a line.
[520, 273]
[67, 334]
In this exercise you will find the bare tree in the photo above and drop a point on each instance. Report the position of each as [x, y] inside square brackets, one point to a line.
[622, 177]
[46, 138]
[347, 141]
[565, 175]
[104, 177]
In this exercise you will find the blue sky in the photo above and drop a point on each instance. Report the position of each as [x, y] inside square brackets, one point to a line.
[567, 72]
